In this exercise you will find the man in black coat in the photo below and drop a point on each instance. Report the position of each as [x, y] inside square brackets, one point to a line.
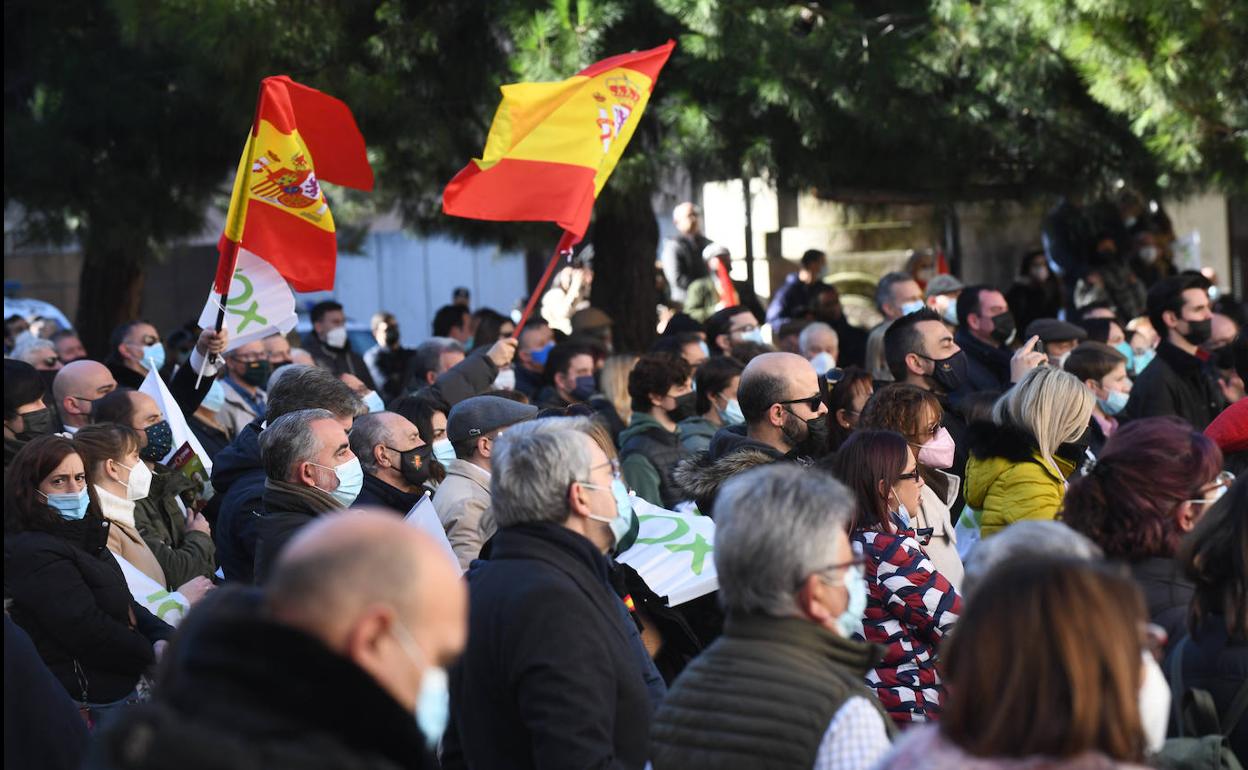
[1179, 381]
[396, 461]
[554, 674]
[329, 344]
[321, 670]
[136, 345]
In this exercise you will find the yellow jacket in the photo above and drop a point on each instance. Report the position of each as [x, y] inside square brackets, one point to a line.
[1005, 491]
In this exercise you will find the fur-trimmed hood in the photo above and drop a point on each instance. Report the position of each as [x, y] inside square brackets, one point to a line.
[985, 440]
[700, 476]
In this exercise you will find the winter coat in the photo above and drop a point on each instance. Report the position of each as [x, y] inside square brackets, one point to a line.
[551, 675]
[161, 519]
[181, 384]
[987, 366]
[731, 452]
[211, 438]
[648, 456]
[1176, 383]
[1007, 481]
[681, 258]
[927, 748]
[1215, 662]
[910, 609]
[237, 411]
[790, 301]
[934, 525]
[696, 433]
[287, 509]
[378, 494]
[1167, 593]
[463, 505]
[342, 361]
[42, 725]
[124, 540]
[242, 691]
[238, 478]
[70, 596]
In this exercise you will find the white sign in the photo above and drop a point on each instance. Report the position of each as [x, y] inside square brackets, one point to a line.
[674, 552]
[169, 606]
[156, 388]
[259, 303]
[425, 518]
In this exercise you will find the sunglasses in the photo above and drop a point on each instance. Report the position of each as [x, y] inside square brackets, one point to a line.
[812, 402]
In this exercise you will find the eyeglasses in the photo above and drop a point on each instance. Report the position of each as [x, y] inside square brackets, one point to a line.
[251, 358]
[812, 402]
[912, 476]
[825, 572]
[1222, 483]
[51, 361]
[743, 329]
[613, 463]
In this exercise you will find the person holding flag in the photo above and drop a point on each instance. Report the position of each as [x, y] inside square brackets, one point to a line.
[136, 348]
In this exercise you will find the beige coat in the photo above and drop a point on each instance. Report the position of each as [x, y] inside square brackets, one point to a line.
[463, 505]
[942, 549]
[123, 537]
[236, 414]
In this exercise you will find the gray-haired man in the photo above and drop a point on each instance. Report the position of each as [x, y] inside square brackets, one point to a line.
[792, 592]
[551, 676]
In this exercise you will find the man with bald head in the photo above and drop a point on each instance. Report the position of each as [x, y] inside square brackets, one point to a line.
[395, 460]
[785, 419]
[324, 668]
[77, 387]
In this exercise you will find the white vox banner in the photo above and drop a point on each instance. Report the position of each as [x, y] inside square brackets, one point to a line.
[155, 387]
[259, 303]
[674, 552]
[425, 518]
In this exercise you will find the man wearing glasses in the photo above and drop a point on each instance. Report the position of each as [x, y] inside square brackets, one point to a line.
[793, 594]
[247, 371]
[135, 349]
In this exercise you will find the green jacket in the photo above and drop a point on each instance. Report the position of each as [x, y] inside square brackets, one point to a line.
[182, 555]
[648, 455]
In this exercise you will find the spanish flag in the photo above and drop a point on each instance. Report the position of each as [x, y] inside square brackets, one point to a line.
[278, 211]
[552, 146]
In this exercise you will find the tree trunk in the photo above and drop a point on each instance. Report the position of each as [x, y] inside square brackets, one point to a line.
[626, 239]
[110, 288]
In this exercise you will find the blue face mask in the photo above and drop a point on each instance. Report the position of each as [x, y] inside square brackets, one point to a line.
[1114, 403]
[374, 402]
[154, 356]
[350, 481]
[585, 387]
[706, 351]
[849, 622]
[539, 356]
[71, 506]
[731, 414]
[1128, 353]
[215, 398]
[912, 307]
[624, 515]
[753, 335]
[433, 703]
[1143, 359]
[444, 451]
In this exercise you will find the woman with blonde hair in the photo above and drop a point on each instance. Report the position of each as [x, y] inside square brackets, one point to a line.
[613, 383]
[1020, 462]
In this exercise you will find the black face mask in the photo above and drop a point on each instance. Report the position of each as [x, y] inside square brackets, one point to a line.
[1199, 332]
[1076, 450]
[38, 423]
[159, 442]
[686, 406]
[392, 336]
[414, 464]
[1003, 327]
[815, 442]
[257, 374]
[948, 374]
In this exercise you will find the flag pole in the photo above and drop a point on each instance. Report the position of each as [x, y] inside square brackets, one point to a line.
[564, 248]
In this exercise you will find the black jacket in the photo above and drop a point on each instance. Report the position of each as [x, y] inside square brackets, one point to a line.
[212, 439]
[70, 596]
[732, 451]
[1167, 592]
[344, 361]
[1176, 383]
[378, 494]
[238, 690]
[550, 676]
[471, 377]
[238, 478]
[181, 385]
[288, 508]
[987, 367]
[42, 726]
[1215, 662]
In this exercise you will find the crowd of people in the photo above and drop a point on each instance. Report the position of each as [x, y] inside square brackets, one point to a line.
[1000, 529]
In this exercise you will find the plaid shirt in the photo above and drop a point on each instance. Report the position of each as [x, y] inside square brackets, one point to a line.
[855, 739]
[910, 608]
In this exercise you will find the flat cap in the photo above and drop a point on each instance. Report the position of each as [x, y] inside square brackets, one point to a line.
[1053, 330]
[589, 319]
[943, 284]
[479, 415]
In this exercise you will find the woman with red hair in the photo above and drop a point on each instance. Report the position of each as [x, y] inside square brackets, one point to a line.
[1153, 481]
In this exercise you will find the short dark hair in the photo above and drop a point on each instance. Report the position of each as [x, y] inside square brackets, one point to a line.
[447, 318]
[756, 394]
[22, 385]
[720, 323]
[1093, 360]
[560, 358]
[969, 302]
[1167, 294]
[1098, 328]
[120, 332]
[903, 338]
[310, 387]
[116, 406]
[681, 322]
[675, 343]
[321, 308]
[791, 327]
[655, 373]
[418, 408]
[884, 289]
[712, 377]
[812, 256]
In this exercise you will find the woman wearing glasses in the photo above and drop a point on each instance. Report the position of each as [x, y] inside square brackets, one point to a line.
[1151, 484]
[910, 604]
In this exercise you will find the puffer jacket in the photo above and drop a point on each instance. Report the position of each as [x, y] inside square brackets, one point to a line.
[1006, 479]
[731, 452]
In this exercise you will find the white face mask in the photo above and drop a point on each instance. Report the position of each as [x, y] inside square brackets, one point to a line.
[140, 481]
[336, 337]
[823, 362]
[1154, 704]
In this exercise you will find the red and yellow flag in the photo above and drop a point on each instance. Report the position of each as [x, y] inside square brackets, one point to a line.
[278, 210]
[552, 146]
